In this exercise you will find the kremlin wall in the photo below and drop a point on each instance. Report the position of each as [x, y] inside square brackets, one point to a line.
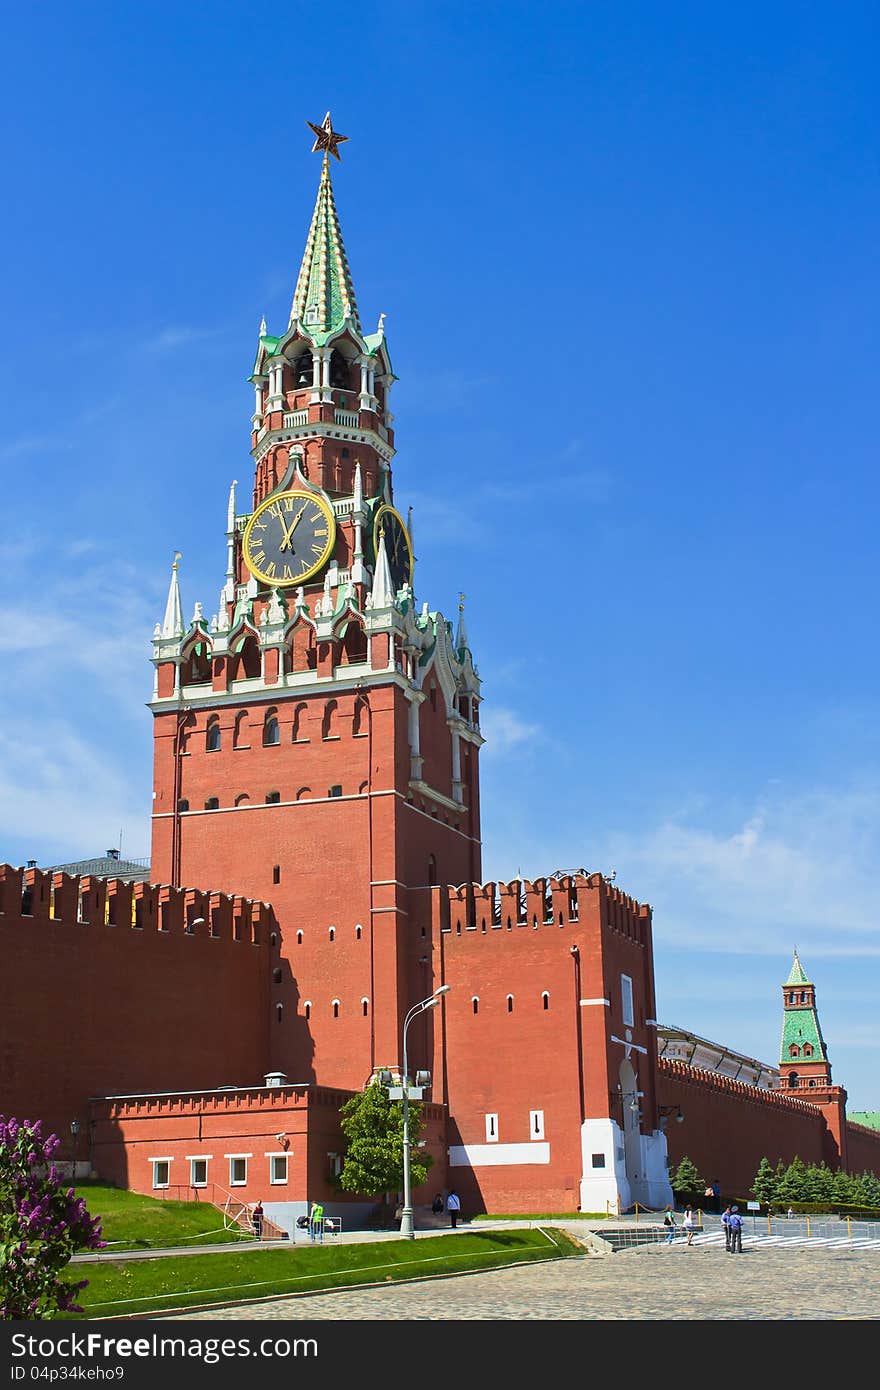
[316, 851]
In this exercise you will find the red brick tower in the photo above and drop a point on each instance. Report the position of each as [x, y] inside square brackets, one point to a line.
[317, 742]
[805, 1069]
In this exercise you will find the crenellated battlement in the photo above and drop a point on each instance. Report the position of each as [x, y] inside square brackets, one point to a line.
[556, 901]
[32, 895]
[710, 1080]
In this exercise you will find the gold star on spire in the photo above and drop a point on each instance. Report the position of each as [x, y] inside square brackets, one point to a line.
[326, 138]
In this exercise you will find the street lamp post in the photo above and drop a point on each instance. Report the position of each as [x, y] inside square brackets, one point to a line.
[74, 1130]
[406, 1220]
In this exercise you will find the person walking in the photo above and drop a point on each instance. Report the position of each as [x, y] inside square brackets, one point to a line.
[725, 1221]
[669, 1223]
[257, 1219]
[735, 1222]
[453, 1206]
[689, 1223]
[316, 1223]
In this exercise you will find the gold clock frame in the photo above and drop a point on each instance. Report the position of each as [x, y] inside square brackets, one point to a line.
[387, 510]
[274, 500]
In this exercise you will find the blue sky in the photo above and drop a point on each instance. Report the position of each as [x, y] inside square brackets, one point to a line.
[627, 257]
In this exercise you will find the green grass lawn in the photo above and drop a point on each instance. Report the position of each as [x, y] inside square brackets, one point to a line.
[130, 1221]
[140, 1287]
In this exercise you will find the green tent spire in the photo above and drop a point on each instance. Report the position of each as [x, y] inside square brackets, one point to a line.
[797, 976]
[324, 295]
[800, 1020]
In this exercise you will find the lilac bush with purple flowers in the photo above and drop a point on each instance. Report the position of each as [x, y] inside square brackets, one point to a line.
[41, 1226]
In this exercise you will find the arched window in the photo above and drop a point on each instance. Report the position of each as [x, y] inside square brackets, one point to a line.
[196, 666]
[338, 370]
[242, 799]
[299, 733]
[279, 1012]
[365, 1005]
[247, 663]
[361, 716]
[432, 870]
[476, 1004]
[303, 373]
[808, 1050]
[328, 723]
[276, 975]
[510, 1003]
[794, 1050]
[358, 932]
[354, 645]
[271, 731]
[307, 1009]
[241, 732]
[212, 803]
[545, 998]
[335, 1008]
[299, 938]
[212, 736]
[332, 933]
[793, 1078]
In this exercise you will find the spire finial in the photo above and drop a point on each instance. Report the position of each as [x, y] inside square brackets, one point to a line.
[172, 624]
[326, 138]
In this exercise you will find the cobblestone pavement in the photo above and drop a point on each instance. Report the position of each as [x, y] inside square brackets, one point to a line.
[703, 1282]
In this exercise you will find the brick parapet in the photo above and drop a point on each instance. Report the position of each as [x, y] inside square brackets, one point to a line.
[698, 1076]
[33, 895]
[545, 902]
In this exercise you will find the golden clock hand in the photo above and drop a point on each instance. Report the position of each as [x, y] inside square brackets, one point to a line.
[285, 544]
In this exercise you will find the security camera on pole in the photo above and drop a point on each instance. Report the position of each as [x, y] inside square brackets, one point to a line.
[406, 1093]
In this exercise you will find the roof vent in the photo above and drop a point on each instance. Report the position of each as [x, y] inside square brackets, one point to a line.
[275, 1078]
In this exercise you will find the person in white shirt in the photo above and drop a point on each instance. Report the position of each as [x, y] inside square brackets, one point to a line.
[453, 1206]
[689, 1223]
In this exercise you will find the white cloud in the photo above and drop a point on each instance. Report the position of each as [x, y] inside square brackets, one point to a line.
[176, 336]
[503, 729]
[65, 798]
[798, 870]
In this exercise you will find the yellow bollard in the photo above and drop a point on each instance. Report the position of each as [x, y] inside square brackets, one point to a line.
[769, 1227]
[637, 1213]
[849, 1226]
[808, 1228]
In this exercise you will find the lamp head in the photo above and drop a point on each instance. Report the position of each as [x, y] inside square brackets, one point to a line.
[442, 989]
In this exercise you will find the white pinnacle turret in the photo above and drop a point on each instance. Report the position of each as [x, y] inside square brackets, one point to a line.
[172, 625]
[382, 593]
[461, 636]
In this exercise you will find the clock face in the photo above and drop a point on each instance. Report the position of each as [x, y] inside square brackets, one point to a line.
[289, 538]
[398, 548]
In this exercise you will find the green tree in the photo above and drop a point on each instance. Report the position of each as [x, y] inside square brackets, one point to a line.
[814, 1185]
[373, 1125]
[41, 1226]
[764, 1185]
[871, 1189]
[844, 1188]
[686, 1181]
[792, 1187]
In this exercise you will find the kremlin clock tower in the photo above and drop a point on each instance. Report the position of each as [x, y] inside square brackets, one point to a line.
[317, 740]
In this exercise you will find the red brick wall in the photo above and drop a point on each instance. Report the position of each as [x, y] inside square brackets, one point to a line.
[91, 1008]
[129, 1134]
[863, 1149]
[729, 1127]
[559, 1059]
[328, 853]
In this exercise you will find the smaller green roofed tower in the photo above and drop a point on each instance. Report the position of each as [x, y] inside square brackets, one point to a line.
[803, 1057]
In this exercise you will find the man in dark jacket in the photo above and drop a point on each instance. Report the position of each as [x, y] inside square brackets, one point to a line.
[735, 1226]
